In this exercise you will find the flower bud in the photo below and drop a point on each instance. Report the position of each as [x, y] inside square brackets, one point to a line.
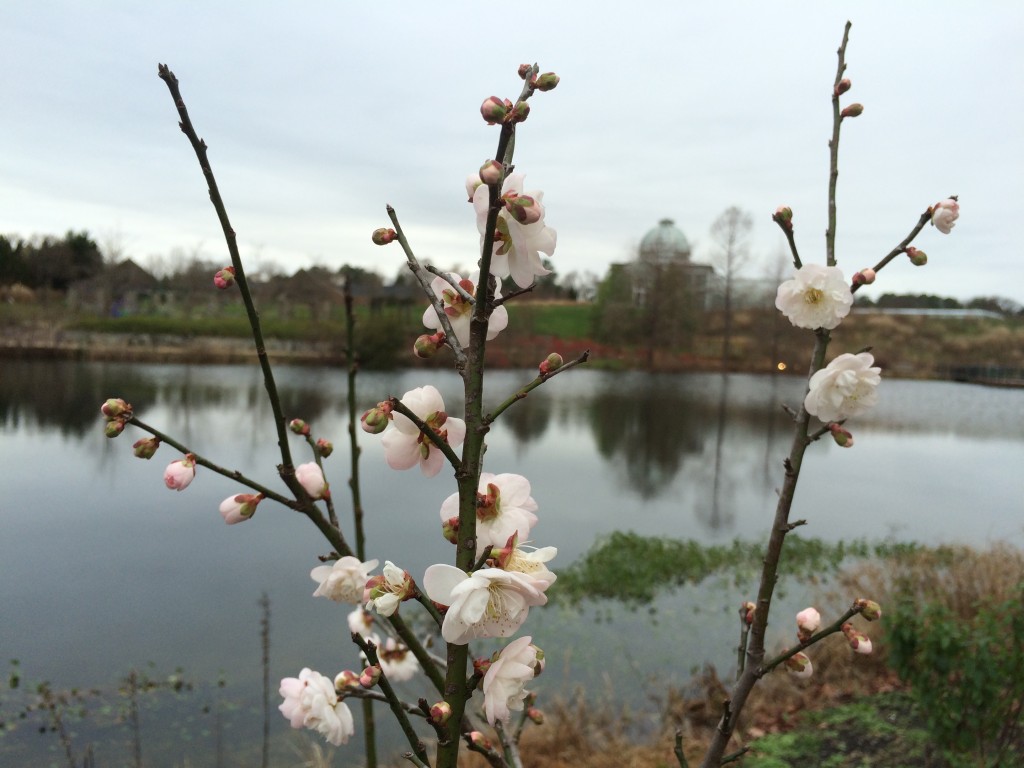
[346, 679]
[860, 642]
[747, 612]
[864, 277]
[523, 208]
[238, 509]
[324, 447]
[299, 427]
[479, 740]
[490, 172]
[440, 712]
[480, 666]
[842, 86]
[311, 478]
[841, 435]
[945, 214]
[146, 447]
[376, 419]
[427, 345]
[546, 82]
[450, 530]
[854, 110]
[800, 665]
[116, 408]
[550, 364]
[535, 715]
[917, 258]
[807, 623]
[783, 216]
[869, 609]
[224, 278]
[114, 427]
[540, 663]
[520, 112]
[383, 236]
[179, 474]
[370, 676]
[494, 109]
[524, 70]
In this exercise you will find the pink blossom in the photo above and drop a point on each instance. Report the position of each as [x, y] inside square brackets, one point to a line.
[179, 474]
[311, 477]
[945, 214]
[460, 311]
[517, 246]
[310, 701]
[807, 623]
[239, 508]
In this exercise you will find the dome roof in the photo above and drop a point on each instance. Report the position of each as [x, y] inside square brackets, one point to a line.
[665, 243]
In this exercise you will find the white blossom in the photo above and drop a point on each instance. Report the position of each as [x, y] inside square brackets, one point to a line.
[517, 246]
[505, 680]
[504, 507]
[844, 388]
[945, 214]
[405, 446]
[344, 580]
[460, 311]
[310, 701]
[815, 297]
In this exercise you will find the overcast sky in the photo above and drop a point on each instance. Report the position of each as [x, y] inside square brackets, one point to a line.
[318, 114]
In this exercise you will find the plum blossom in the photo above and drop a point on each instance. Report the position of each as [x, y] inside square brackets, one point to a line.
[504, 681]
[532, 562]
[179, 474]
[843, 388]
[311, 477]
[344, 580]
[405, 446]
[460, 311]
[397, 661]
[815, 297]
[945, 214]
[503, 507]
[518, 242]
[800, 665]
[360, 622]
[310, 701]
[489, 602]
[239, 508]
[385, 592]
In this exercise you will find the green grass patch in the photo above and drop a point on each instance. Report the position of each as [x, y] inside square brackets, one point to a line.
[565, 321]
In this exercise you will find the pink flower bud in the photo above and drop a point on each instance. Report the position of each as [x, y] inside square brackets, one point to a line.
[841, 435]
[299, 427]
[490, 172]
[238, 509]
[860, 642]
[114, 427]
[800, 665]
[807, 623]
[783, 216]
[440, 712]
[146, 447]
[546, 82]
[864, 277]
[747, 612]
[324, 447]
[945, 214]
[427, 345]
[550, 364]
[917, 258]
[523, 208]
[524, 70]
[179, 474]
[494, 109]
[116, 408]
[480, 666]
[520, 112]
[224, 278]
[383, 236]
[535, 715]
[869, 609]
[370, 676]
[854, 110]
[311, 478]
[479, 740]
[376, 419]
[842, 86]
[346, 679]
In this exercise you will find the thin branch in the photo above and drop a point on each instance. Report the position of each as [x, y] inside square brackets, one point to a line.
[679, 750]
[831, 629]
[199, 146]
[509, 747]
[901, 248]
[522, 393]
[430, 668]
[833, 145]
[435, 301]
[512, 294]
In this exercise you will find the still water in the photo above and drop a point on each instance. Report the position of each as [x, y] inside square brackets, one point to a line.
[103, 569]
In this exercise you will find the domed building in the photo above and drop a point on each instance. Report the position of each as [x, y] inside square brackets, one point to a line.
[658, 298]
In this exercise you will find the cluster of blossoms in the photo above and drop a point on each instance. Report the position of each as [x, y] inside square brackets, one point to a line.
[808, 622]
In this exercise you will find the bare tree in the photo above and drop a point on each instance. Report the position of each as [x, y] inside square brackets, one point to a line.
[729, 234]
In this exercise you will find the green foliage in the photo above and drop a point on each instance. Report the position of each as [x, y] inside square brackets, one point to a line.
[633, 569]
[564, 321]
[967, 674]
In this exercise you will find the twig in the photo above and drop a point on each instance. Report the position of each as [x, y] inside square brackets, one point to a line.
[831, 629]
[679, 750]
[833, 145]
[512, 294]
[509, 747]
[522, 393]
[901, 248]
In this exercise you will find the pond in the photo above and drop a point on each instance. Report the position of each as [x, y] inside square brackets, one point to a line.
[105, 570]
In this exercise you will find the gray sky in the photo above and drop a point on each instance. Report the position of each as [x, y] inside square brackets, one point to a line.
[318, 114]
